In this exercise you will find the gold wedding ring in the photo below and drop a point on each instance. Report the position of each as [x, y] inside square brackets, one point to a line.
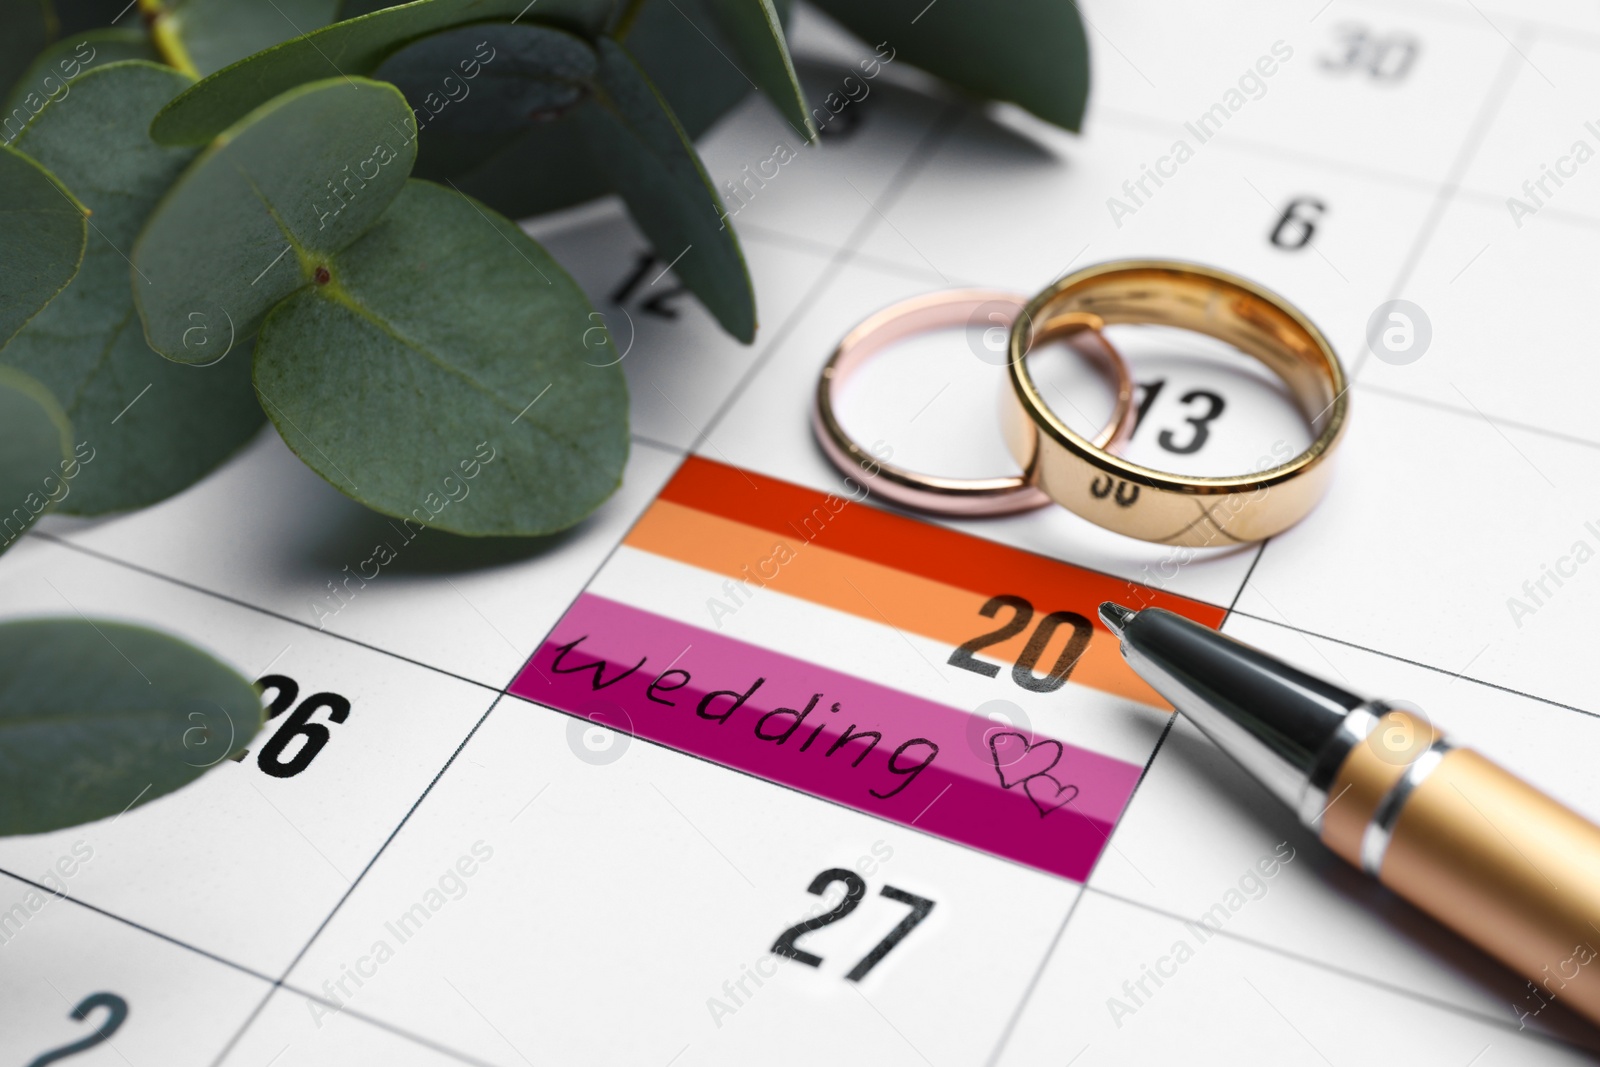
[1152, 505]
[1001, 495]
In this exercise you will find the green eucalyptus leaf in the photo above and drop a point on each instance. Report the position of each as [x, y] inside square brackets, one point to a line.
[155, 426]
[762, 53]
[346, 49]
[1031, 52]
[96, 717]
[35, 448]
[260, 211]
[539, 170]
[27, 31]
[684, 53]
[440, 375]
[491, 78]
[354, 9]
[49, 77]
[516, 176]
[202, 36]
[636, 141]
[43, 232]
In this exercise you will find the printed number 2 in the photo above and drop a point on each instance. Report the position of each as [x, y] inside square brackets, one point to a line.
[854, 890]
[1022, 672]
[297, 724]
[116, 1013]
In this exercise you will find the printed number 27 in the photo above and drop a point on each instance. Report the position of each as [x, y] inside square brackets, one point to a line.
[854, 890]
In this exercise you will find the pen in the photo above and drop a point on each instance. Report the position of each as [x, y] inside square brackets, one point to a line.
[1485, 853]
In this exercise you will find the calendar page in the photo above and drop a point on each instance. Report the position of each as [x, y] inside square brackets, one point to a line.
[752, 767]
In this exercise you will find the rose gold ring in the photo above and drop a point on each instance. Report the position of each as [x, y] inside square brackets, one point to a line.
[989, 312]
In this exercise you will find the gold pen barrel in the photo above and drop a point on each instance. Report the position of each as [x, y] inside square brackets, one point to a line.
[1482, 851]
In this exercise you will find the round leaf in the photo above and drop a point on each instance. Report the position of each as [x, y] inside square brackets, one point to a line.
[155, 427]
[637, 142]
[440, 375]
[683, 51]
[202, 36]
[545, 168]
[1032, 52]
[56, 66]
[491, 78]
[98, 716]
[42, 237]
[35, 446]
[262, 209]
[761, 52]
[27, 24]
[360, 45]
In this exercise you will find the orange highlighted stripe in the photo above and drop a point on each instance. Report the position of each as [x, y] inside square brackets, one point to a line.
[913, 576]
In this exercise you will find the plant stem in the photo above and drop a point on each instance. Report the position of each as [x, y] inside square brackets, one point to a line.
[625, 23]
[162, 34]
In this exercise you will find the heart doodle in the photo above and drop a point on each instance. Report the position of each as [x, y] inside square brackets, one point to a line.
[1012, 752]
[1051, 794]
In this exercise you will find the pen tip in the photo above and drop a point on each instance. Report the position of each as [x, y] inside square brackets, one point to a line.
[1115, 616]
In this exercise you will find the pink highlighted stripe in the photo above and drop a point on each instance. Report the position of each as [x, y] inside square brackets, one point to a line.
[1028, 798]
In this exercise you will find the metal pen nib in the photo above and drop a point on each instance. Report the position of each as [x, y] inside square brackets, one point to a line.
[1508, 867]
[1289, 730]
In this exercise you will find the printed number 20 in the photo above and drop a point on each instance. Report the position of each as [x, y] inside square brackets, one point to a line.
[1022, 672]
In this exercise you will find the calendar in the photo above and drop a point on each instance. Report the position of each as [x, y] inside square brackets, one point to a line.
[752, 767]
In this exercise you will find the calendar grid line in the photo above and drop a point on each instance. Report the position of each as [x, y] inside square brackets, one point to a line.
[294, 962]
[708, 761]
[176, 942]
[1149, 763]
[1033, 981]
[1355, 976]
[1230, 142]
[917, 157]
[1044, 961]
[1245, 584]
[1379, 145]
[1477, 131]
[796, 243]
[915, 161]
[660, 446]
[148, 572]
[1496, 420]
[391, 1028]
[1418, 663]
[1232, 610]
[1575, 216]
[1447, 12]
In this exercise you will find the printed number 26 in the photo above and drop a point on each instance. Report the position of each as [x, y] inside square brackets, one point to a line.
[297, 724]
